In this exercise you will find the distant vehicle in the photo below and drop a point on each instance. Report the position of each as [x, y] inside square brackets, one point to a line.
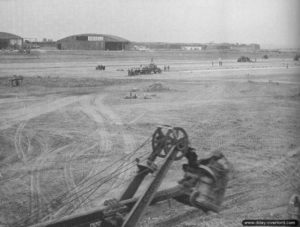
[100, 67]
[144, 70]
[244, 59]
[296, 58]
[265, 56]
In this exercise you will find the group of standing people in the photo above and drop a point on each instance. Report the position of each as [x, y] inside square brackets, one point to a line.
[166, 68]
[220, 62]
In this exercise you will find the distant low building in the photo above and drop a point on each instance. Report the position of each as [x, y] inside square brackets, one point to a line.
[246, 47]
[92, 42]
[140, 48]
[158, 45]
[10, 41]
[218, 46]
[230, 46]
[197, 48]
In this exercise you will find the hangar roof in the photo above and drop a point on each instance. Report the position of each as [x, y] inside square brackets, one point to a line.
[109, 38]
[5, 35]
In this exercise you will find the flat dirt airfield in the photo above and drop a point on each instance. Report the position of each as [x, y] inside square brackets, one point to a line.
[68, 128]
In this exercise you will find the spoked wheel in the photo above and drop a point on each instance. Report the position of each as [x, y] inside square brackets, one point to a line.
[157, 139]
[164, 138]
[180, 139]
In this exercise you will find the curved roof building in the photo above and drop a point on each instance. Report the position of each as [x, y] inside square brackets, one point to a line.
[8, 40]
[91, 41]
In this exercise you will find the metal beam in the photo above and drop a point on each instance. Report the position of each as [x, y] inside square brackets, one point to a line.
[102, 212]
[140, 207]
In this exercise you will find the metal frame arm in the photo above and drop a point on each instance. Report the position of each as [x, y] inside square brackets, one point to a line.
[139, 208]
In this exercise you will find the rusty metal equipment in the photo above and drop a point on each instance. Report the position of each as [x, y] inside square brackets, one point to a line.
[144, 70]
[203, 184]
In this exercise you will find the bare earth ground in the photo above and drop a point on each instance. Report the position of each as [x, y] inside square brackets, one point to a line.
[69, 126]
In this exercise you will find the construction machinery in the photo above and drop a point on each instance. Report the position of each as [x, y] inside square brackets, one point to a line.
[244, 59]
[202, 186]
[144, 70]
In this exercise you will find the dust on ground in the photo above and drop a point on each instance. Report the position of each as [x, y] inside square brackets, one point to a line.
[157, 87]
[62, 130]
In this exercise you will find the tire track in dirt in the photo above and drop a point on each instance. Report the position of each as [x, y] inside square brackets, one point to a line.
[39, 165]
[49, 214]
[73, 191]
[68, 176]
[72, 186]
[18, 142]
[34, 200]
[33, 197]
[129, 141]
[104, 145]
[38, 198]
[108, 113]
[90, 109]
[34, 191]
[70, 154]
[104, 117]
[35, 110]
[104, 142]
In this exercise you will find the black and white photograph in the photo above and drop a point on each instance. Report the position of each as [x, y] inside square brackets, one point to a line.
[149, 113]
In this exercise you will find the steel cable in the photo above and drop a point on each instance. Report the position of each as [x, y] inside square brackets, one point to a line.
[122, 183]
[66, 195]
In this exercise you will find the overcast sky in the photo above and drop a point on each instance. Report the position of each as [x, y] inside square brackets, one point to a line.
[271, 23]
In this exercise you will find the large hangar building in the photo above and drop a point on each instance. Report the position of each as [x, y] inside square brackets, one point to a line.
[10, 41]
[93, 42]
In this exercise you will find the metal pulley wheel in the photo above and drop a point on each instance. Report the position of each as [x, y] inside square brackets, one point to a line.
[158, 139]
[164, 138]
[181, 138]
